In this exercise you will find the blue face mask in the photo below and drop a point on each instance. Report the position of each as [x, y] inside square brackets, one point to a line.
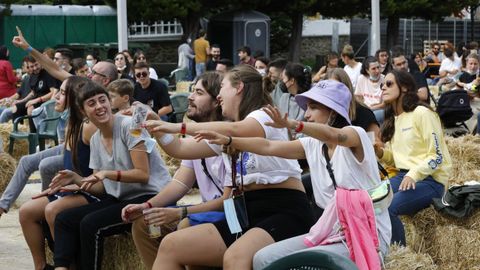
[231, 216]
[373, 78]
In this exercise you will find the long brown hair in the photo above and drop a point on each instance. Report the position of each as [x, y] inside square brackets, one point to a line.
[254, 97]
[410, 101]
[73, 87]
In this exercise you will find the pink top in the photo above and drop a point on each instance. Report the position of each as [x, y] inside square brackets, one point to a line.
[7, 79]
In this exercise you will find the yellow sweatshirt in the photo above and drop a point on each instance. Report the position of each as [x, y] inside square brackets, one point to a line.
[418, 146]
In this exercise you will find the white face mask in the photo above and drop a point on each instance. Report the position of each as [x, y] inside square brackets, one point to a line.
[262, 71]
[90, 63]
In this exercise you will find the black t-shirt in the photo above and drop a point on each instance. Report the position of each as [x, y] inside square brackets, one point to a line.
[364, 117]
[421, 81]
[211, 65]
[467, 77]
[155, 95]
[42, 82]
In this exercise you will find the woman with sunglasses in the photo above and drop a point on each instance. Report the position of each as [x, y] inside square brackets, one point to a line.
[267, 181]
[138, 57]
[123, 66]
[352, 156]
[414, 143]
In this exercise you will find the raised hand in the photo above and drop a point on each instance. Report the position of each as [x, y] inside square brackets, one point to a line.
[279, 120]
[19, 41]
[211, 136]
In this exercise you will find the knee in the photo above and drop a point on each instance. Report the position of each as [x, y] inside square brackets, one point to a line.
[167, 246]
[25, 213]
[51, 213]
[234, 258]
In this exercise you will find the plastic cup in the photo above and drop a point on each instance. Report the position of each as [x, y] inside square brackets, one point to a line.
[153, 231]
[138, 118]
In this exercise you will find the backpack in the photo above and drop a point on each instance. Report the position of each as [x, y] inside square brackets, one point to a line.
[458, 201]
[454, 108]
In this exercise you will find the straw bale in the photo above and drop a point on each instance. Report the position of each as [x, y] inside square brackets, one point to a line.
[120, 253]
[403, 258]
[172, 163]
[21, 146]
[8, 165]
[465, 158]
[456, 247]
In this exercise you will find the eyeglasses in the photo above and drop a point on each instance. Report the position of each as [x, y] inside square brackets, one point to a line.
[119, 58]
[388, 84]
[141, 74]
[98, 73]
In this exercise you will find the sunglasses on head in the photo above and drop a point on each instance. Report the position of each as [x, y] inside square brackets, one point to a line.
[388, 84]
[141, 74]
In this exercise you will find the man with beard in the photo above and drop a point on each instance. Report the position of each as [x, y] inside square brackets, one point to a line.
[208, 173]
[244, 54]
[400, 62]
[215, 57]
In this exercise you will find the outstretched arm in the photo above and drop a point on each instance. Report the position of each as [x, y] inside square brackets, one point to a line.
[261, 146]
[47, 63]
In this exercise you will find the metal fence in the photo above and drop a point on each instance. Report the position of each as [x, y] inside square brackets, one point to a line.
[159, 30]
[414, 34]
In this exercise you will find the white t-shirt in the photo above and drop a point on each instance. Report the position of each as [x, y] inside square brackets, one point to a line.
[209, 188]
[353, 73]
[449, 65]
[261, 169]
[371, 91]
[349, 173]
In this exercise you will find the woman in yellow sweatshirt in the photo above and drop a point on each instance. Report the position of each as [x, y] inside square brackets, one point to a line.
[414, 143]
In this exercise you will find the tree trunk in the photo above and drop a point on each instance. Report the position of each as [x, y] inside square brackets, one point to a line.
[473, 10]
[296, 38]
[392, 31]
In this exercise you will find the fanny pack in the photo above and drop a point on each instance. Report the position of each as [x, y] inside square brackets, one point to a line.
[381, 194]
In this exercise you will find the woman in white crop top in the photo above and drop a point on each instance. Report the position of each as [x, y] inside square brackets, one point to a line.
[351, 152]
[267, 182]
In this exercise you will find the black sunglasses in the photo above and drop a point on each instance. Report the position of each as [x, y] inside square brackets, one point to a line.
[141, 74]
[388, 84]
[98, 73]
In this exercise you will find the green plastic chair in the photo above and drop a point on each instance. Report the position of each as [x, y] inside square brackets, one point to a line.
[180, 106]
[47, 129]
[313, 260]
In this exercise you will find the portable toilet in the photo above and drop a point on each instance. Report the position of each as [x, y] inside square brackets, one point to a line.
[105, 24]
[79, 24]
[49, 26]
[232, 30]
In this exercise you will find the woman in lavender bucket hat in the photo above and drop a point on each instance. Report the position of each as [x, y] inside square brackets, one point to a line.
[351, 155]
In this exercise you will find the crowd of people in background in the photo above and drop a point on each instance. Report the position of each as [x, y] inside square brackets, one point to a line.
[257, 128]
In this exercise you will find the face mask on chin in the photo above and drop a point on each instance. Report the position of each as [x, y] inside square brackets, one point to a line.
[283, 87]
[374, 78]
[262, 71]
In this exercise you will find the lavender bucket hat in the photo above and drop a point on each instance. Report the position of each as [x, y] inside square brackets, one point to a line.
[333, 94]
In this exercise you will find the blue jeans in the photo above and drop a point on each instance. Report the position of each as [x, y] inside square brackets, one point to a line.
[6, 114]
[379, 115]
[199, 69]
[478, 124]
[410, 202]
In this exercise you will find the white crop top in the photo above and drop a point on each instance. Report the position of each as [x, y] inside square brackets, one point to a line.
[261, 169]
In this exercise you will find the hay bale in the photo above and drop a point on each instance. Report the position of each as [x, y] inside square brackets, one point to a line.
[403, 258]
[465, 158]
[119, 253]
[8, 165]
[455, 247]
[21, 146]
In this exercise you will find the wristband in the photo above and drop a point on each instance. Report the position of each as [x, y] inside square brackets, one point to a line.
[41, 99]
[119, 174]
[229, 141]
[166, 139]
[29, 49]
[184, 212]
[183, 129]
[299, 127]
[149, 204]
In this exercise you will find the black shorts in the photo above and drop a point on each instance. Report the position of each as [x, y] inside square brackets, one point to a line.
[283, 213]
